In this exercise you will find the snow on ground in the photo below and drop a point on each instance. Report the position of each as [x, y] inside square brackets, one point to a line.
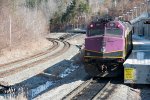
[68, 71]
[27, 73]
[41, 88]
[59, 92]
[69, 55]
[36, 91]
[64, 86]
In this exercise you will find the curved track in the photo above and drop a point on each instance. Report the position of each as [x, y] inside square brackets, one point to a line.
[53, 47]
[14, 70]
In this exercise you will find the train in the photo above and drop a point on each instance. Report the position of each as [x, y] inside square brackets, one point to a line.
[107, 45]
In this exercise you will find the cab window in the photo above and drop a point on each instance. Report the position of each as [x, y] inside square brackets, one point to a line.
[114, 31]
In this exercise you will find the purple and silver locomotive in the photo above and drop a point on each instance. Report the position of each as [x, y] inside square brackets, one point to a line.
[107, 45]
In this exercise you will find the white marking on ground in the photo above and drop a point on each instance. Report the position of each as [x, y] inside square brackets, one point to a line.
[68, 71]
[41, 88]
[45, 86]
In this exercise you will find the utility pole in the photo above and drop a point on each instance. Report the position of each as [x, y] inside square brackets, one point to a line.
[10, 32]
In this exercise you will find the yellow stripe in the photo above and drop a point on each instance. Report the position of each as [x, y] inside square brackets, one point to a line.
[103, 52]
[105, 36]
[103, 57]
[114, 37]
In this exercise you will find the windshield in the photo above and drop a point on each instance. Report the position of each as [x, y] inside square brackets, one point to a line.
[114, 31]
[93, 32]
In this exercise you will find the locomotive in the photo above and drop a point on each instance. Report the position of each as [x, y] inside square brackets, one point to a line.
[107, 45]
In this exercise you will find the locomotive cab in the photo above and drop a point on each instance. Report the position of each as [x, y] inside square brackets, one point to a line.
[105, 41]
[106, 47]
[115, 29]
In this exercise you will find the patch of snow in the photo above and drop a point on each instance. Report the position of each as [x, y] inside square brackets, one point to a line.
[59, 92]
[41, 88]
[68, 71]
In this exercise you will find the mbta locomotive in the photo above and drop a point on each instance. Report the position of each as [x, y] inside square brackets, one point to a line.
[107, 45]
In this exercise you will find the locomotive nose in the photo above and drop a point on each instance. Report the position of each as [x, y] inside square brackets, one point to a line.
[95, 44]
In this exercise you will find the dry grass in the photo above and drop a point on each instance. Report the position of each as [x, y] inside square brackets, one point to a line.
[25, 24]
[24, 49]
[27, 27]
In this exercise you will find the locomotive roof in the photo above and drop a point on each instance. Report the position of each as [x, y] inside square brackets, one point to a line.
[101, 21]
[127, 25]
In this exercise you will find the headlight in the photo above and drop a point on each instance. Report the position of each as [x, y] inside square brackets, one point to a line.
[103, 49]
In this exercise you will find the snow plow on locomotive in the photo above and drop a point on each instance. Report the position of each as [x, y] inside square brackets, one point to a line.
[107, 45]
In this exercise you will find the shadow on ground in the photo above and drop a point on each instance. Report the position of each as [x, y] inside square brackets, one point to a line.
[63, 72]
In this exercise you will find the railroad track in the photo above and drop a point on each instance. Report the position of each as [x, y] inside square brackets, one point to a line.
[9, 69]
[53, 47]
[88, 90]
